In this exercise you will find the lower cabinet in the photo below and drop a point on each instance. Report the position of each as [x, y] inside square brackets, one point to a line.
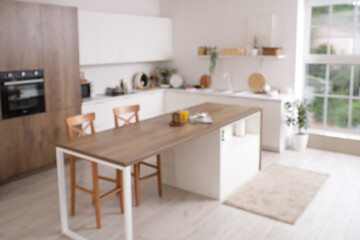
[158, 102]
[151, 105]
[24, 145]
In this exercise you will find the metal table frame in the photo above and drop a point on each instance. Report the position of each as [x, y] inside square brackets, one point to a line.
[62, 192]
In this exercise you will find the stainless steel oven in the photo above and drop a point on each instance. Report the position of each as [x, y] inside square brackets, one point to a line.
[22, 93]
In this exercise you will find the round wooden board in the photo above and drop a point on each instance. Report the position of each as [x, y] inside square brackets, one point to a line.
[256, 82]
[205, 81]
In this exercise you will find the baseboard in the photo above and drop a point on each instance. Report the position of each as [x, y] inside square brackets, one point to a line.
[334, 144]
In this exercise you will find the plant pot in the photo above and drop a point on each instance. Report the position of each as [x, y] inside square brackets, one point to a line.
[299, 141]
[254, 52]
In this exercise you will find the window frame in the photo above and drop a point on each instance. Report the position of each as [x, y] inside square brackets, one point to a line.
[328, 60]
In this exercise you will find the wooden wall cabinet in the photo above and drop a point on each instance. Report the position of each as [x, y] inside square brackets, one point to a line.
[114, 38]
[37, 36]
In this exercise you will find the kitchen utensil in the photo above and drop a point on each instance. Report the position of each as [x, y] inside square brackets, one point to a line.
[176, 81]
[205, 81]
[256, 82]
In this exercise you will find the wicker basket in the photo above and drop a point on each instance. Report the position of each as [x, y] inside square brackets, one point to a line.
[270, 51]
[233, 51]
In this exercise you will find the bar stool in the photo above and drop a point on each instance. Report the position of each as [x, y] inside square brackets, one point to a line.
[73, 125]
[118, 115]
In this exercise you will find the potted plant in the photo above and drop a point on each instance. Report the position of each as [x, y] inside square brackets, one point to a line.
[297, 116]
[255, 47]
[166, 73]
[205, 79]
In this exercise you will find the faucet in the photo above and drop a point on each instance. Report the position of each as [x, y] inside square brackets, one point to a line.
[227, 76]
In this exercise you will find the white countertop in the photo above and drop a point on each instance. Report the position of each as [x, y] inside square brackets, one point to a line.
[212, 92]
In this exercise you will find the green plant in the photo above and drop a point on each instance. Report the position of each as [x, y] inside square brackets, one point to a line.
[166, 73]
[213, 58]
[255, 43]
[297, 114]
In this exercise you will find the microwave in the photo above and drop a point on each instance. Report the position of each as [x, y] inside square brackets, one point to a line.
[86, 90]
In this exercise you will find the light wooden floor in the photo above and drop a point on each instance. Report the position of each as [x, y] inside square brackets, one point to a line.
[29, 208]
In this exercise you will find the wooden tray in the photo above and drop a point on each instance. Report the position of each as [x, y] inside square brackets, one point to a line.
[256, 82]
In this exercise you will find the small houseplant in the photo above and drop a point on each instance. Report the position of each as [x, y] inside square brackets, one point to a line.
[255, 47]
[166, 73]
[205, 79]
[296, 115]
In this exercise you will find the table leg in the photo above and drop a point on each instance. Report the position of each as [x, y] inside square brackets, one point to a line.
[62, 197]
[128, 203]
[62, 190]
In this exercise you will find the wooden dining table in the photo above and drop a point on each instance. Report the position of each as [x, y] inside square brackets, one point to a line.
[122, 147]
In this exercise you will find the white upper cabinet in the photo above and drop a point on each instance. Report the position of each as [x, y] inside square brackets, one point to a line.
[113, 38]
[87, 45]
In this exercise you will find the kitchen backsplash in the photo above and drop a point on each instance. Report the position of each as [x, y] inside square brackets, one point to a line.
[104, 76]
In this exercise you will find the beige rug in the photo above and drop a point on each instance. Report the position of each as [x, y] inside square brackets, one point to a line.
[279, 192]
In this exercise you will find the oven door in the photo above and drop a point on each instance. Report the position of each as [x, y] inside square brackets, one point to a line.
[20, 98]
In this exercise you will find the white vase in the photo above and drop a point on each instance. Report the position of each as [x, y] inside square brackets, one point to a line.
[299, 141]
[254, 52]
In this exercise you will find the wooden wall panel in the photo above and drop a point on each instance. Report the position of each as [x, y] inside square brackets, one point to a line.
[24, 144]
[61, 57]
[20, 36]
[57, 129]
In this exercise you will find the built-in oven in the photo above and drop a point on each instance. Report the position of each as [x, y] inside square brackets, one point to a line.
[22, 93]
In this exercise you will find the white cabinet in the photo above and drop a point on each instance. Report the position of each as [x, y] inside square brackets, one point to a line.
[151, 105]
[157, 102]
[87, 45]
[114, 38]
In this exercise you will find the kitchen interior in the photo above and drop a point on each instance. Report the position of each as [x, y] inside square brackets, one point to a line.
[213, 119]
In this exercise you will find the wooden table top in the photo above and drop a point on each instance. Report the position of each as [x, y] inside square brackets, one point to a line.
[133, 143]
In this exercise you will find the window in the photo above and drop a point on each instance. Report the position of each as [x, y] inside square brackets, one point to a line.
[332, 65]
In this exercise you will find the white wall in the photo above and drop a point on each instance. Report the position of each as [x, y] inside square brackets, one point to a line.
[109, 75]
[222, 23]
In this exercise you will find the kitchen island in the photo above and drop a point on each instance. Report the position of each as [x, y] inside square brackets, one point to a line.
[208, 159]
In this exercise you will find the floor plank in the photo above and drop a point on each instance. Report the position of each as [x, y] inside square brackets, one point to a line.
[29, 207]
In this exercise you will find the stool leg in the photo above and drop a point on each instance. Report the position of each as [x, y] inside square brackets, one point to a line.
[96, 193]
[72, 185]
[158, 160]
[137, 181]
[119, 182]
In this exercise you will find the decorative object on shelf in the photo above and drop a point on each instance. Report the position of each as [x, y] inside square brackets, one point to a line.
[141, 81]
[166, 73]
[233, 51]
[176, 81]
[297, 116]
[176, 120]
[202, 51]
[154, 80]
[123, 86]
[82, 77]
[255, 47]
[205, 80]
[257, 82]
[271, 51]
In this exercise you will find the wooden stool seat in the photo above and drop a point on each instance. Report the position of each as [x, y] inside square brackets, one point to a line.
[72, 124]
[118, 115]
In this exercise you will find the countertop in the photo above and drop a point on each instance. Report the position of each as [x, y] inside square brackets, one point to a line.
[211, 92]
[153, 135]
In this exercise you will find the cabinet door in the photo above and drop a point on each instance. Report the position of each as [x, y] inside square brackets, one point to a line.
[163, 39]
[56, 129]
[87, 22]
[107, 38]
[61, 57]
[25, 145]
[20, 41]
